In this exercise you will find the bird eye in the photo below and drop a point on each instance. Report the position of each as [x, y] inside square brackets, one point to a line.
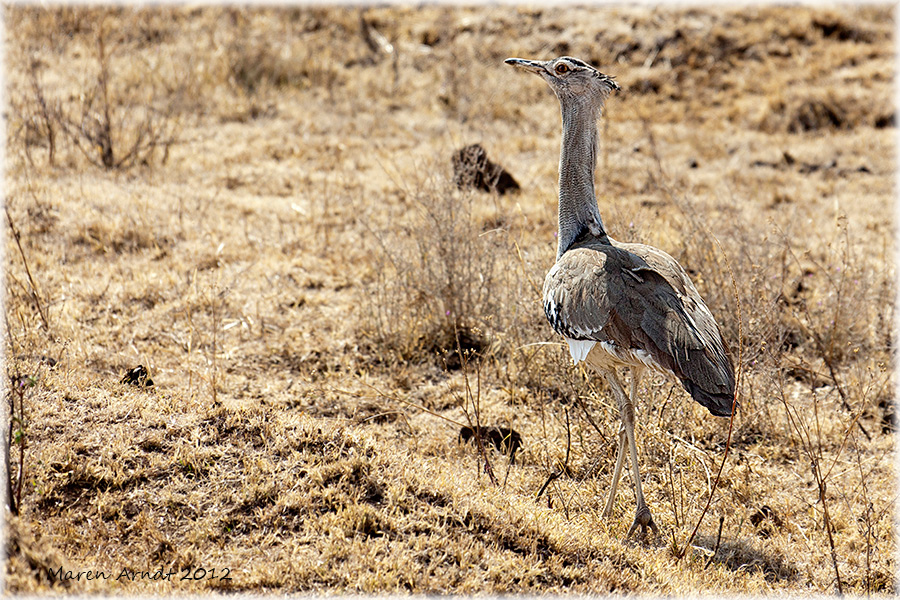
[562, 68]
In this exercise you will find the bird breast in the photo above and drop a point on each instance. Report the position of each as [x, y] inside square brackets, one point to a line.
[576, 299]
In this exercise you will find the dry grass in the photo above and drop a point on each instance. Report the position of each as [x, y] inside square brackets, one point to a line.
[291, 261]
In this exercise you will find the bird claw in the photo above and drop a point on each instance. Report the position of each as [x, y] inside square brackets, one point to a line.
[643, 519]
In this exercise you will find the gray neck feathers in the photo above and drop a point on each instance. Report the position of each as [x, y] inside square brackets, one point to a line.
[577, 160]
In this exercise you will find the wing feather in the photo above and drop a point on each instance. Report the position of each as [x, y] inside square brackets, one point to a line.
[638, 298]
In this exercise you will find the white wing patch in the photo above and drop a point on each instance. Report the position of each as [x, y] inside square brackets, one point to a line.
[580, 348]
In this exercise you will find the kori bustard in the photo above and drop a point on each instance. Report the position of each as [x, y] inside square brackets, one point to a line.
[619, 304]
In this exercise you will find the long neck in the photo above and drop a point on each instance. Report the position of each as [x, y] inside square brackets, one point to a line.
[578, 210]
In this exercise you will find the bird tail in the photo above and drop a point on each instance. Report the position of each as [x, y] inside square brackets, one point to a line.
[718, 404]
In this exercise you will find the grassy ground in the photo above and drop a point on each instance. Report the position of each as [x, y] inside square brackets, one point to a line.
[258, 206]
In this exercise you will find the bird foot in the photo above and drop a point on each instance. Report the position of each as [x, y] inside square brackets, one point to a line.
[643, 519]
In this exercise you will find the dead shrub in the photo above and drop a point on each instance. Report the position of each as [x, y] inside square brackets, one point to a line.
[436, 285]
[819, 318]
[125, 113]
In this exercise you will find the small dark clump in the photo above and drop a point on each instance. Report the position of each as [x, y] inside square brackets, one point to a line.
[505, 440]
[764, 519]
[473, 169]
[138, 376]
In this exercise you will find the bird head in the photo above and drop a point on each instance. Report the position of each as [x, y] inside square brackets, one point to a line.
[571, 79]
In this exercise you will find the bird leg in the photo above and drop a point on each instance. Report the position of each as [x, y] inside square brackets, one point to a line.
[643, 518]
[620, 458]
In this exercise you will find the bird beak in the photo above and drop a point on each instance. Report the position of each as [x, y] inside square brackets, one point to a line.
[532, 66]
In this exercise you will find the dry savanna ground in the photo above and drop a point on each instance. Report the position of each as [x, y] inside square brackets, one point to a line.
[258, 206]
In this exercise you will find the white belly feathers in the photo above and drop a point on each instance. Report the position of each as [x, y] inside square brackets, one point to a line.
[579, 348]
[604, 355]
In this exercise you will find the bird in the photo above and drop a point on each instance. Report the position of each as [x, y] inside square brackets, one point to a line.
[621, 305]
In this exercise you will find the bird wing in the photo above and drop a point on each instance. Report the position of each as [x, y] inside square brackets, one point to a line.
[638, 298]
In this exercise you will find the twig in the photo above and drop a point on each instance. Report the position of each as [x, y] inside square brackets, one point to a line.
[718, 541]
[591, 420]
[827, 523]
[476, 404]
[34, 293]
[868, 515]
[22, 441]
[663, 406]
[738, 377]
[715, 482]
[560, 470]
[16, 418]
[509, 463]
[739, 370]
[552, 477]
[44, 112]
[672, 487]
[10, 494]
